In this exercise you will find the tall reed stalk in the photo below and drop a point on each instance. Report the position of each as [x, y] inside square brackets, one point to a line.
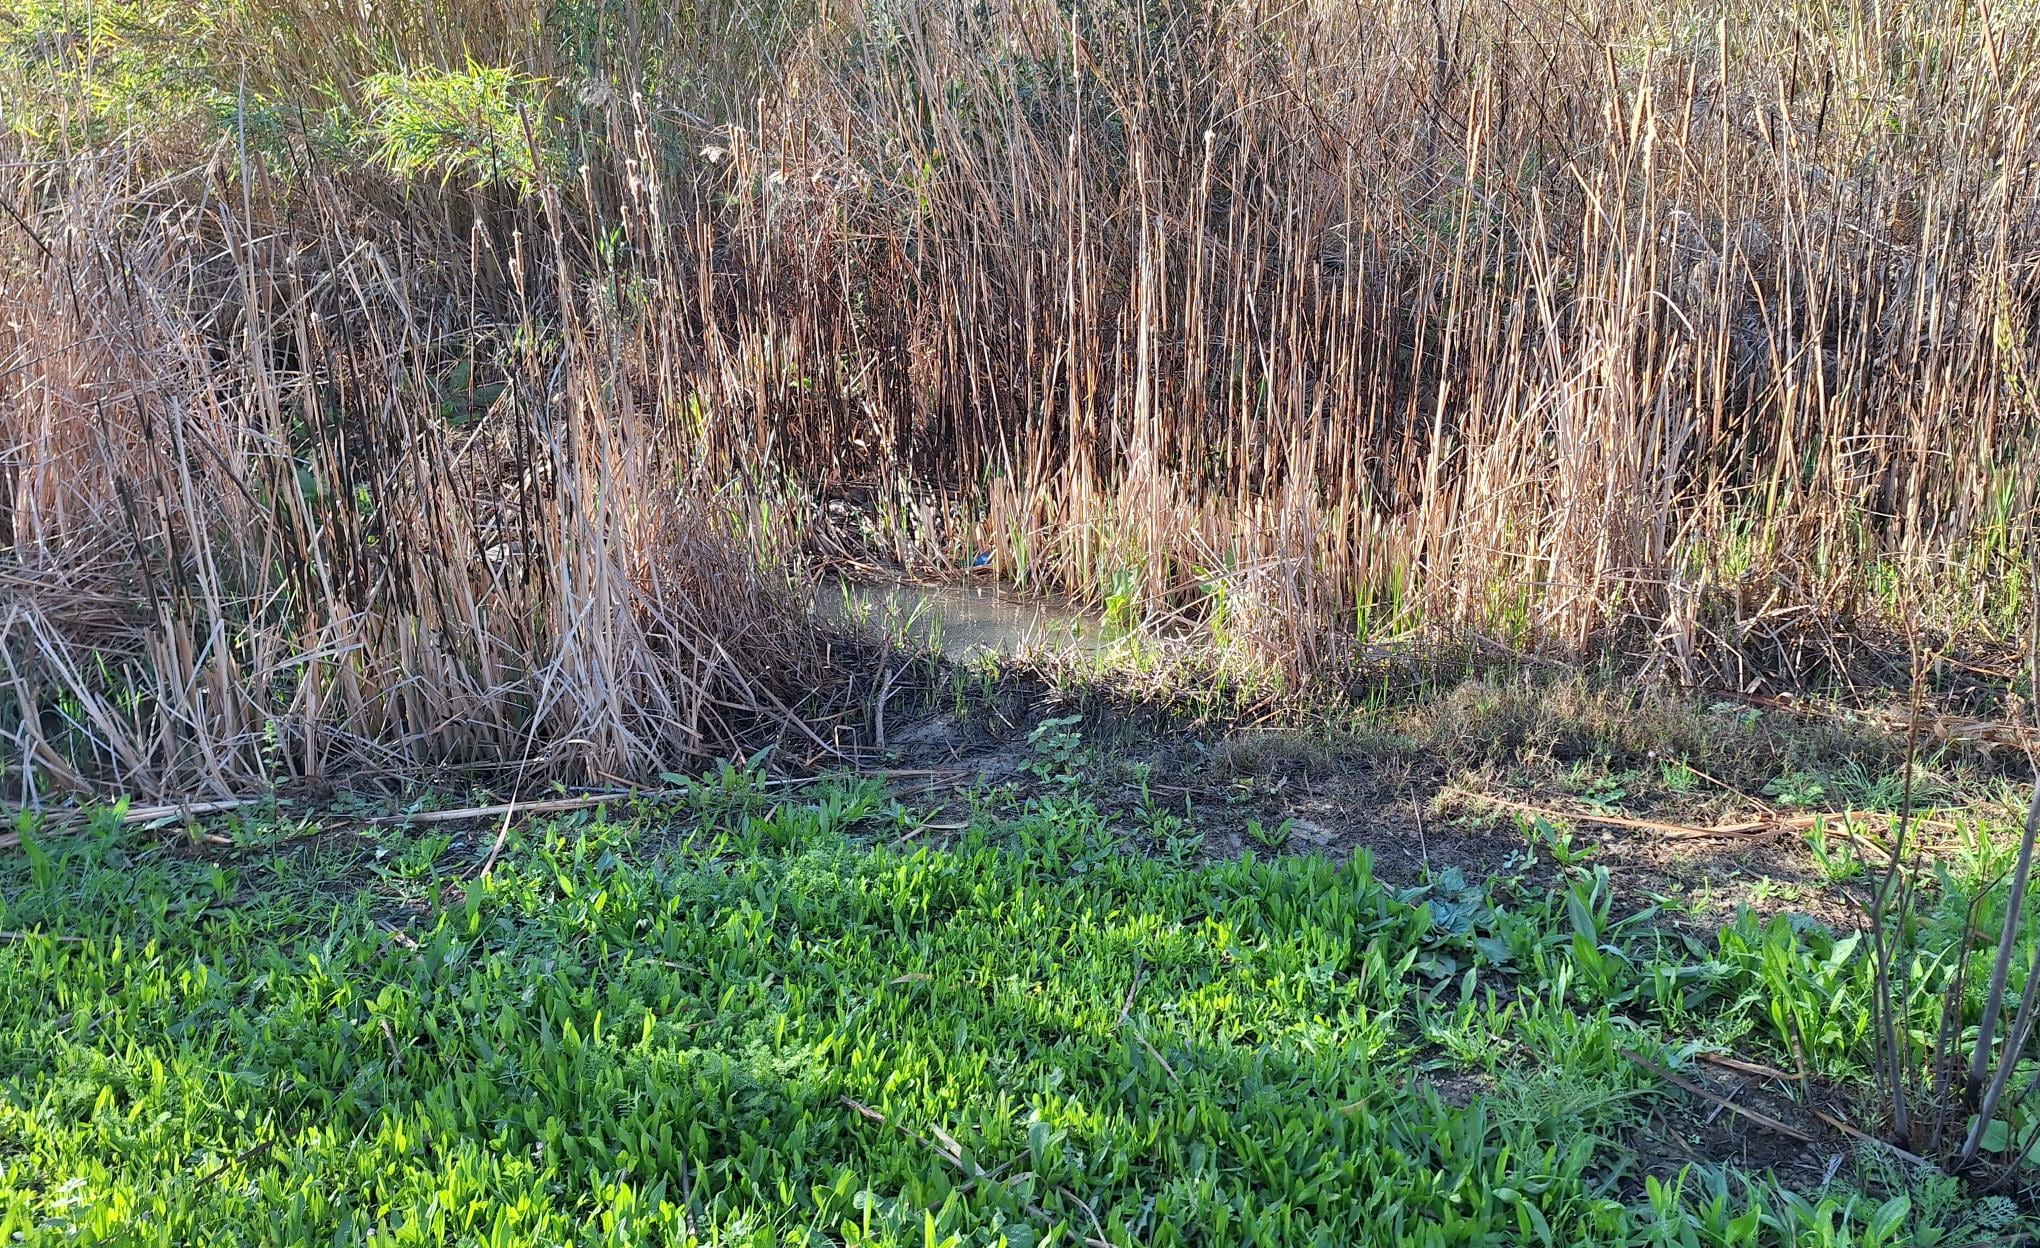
[374, 407]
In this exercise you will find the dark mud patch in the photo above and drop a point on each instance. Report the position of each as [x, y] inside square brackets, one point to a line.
[1760, 1121]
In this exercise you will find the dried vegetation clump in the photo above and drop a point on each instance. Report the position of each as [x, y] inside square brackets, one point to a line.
[454, 384]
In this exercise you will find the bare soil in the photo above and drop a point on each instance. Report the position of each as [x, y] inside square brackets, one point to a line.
[1415, 821]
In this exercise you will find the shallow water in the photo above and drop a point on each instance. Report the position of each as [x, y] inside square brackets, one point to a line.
[959, 621]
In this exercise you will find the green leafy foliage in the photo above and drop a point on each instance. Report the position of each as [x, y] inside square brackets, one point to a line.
[1056, 750]
[750, 1021]
[92, 72]
[481, 125]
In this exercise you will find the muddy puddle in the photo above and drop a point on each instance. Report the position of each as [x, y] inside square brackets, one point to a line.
[960, 621]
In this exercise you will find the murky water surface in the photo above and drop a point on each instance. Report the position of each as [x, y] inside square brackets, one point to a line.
[960, 620]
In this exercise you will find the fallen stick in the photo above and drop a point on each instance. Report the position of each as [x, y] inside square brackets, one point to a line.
[1867, 1138]
[187, 810]
[919, 828]
[551, 806]
[1988, 733]
[1724, 831]
[1748, 1068]
[1753, 829]
[1763, 1120]
[555, 805]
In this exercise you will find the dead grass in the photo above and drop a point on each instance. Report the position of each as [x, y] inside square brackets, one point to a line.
[247, 547]
[327, 444]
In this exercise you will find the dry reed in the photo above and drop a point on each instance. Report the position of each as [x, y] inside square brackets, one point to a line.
[1708, 332]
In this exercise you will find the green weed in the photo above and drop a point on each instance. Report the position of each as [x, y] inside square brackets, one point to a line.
[764, 1026]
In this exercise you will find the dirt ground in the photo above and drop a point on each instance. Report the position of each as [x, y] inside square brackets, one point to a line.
[1698, 857]
[1482, 787]
[1705, 861]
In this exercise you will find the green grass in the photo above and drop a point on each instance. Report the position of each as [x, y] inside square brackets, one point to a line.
[684, 1026]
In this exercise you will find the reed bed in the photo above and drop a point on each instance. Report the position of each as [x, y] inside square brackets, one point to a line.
[470, 384]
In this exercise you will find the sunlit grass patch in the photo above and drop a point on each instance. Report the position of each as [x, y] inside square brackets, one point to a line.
[762, 1025]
